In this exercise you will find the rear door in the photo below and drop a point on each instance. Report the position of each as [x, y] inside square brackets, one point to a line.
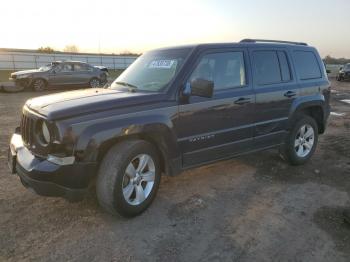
[221, 126]
[275, 88]
[82, 73]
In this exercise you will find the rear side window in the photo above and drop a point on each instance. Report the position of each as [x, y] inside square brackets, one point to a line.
[307, 65]
[81, 67]
[271, 67]
[284, 66]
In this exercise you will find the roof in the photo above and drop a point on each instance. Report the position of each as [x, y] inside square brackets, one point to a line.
[242, 43]
[70, 61]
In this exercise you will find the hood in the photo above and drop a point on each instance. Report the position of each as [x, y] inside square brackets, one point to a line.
[73, 103]
[25, 72]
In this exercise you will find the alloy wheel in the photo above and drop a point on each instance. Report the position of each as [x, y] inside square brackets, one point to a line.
[138, 179]
[94, 83]
[39, 85]
[304, 140]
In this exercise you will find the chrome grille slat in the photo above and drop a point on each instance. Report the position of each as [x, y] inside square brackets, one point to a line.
[30, 132]
[27, 129]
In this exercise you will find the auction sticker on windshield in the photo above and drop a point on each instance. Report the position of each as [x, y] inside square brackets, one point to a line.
[166, 64]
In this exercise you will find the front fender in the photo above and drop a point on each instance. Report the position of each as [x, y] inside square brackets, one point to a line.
[156, 127]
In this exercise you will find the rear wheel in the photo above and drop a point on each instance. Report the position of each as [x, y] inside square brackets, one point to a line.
[39, 85]
[128, 178]
[302, 140]
[94, 83]
[103, 78]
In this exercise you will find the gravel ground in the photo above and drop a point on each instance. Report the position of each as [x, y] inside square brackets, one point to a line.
[252, 208]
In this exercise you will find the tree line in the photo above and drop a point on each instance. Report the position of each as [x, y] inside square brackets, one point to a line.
[75, 49]
[336, 61]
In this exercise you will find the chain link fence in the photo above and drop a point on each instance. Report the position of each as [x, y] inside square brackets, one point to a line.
[29, 60]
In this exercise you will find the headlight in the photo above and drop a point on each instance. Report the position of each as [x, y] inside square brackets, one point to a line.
[45, 133]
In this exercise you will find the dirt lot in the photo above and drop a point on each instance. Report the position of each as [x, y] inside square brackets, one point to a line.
[252, 208]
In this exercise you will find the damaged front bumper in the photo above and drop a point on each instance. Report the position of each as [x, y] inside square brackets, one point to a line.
[47, 178]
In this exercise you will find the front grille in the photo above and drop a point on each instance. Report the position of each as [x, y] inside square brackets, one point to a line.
[27, 129]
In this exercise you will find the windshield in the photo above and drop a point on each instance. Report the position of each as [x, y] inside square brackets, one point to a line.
[152, 71]
[45, 68]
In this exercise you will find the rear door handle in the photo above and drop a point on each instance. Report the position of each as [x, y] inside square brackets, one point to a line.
[290, 94]
[242, 101]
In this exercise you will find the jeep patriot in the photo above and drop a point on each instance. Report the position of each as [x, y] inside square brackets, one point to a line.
[172, 109]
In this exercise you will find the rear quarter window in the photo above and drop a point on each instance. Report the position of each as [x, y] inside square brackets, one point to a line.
[307, 65]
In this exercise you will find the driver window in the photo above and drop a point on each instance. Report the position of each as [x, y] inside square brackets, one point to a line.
[58, 68]
[226, 70]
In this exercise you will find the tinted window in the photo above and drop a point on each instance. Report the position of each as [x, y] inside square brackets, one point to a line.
[226, 70]
[267, 67]
[284, 66]
[64, 68]
[307, 65]
[81, 67]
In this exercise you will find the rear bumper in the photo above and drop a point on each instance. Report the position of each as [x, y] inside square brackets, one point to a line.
[49, 179]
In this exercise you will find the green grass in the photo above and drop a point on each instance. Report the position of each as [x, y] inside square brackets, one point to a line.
[5, 74]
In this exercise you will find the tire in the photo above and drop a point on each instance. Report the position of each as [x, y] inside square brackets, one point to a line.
[120, 191]
[299, 148]
[39, 85]
[104, 79]
[94, 82]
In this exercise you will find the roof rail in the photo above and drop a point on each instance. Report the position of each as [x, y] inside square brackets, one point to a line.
[271, 41]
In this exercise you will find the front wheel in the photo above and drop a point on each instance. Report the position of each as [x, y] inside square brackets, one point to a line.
[39, 85]
[128, 178]
[302, 140]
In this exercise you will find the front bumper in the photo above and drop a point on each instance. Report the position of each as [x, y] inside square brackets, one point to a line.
[46, 178]
[21, 82]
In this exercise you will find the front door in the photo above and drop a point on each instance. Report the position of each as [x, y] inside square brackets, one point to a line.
[221, 126]
[62, 75]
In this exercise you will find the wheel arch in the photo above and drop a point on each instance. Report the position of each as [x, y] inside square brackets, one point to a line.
[95, 142]
[313, 108]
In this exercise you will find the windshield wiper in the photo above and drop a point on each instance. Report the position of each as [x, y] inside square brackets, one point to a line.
[132, 88]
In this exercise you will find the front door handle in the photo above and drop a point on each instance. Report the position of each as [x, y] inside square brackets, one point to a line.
[242, 101]
[290, 94]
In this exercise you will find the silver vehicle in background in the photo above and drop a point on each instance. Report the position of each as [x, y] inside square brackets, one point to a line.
[61, 73]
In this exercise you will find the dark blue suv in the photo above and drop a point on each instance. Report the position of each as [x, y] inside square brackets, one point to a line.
[172, 109]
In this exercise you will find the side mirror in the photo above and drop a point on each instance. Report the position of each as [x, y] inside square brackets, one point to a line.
[202, 87]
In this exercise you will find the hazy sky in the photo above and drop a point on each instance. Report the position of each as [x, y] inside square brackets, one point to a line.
[116, 25]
